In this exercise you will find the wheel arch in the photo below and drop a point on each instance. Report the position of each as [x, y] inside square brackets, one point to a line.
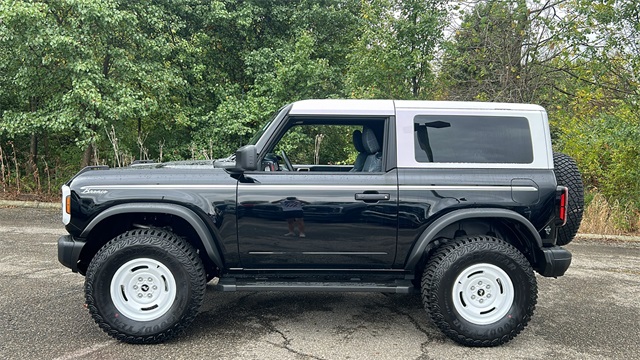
[513, 223]
[102, 228]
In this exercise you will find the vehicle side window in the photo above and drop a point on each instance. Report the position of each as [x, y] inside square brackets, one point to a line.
[472, 139]
[319, 144]
[328, 145]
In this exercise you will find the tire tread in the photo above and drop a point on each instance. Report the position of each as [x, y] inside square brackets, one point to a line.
[443, 259]
[567, 174]
[175, 247]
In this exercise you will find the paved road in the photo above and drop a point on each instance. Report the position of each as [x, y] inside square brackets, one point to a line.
[591, 313]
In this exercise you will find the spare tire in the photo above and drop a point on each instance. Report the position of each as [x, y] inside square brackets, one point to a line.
[567, 174]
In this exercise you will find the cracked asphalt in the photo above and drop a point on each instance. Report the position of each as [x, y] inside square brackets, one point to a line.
[592, 312]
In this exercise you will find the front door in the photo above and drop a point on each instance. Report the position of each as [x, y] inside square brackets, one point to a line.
[309, 207]
[317, 219]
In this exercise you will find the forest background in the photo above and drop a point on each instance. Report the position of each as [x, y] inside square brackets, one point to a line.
[86, 82]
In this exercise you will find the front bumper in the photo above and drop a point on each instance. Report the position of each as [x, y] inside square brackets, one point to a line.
[69, 250]
[556, 261]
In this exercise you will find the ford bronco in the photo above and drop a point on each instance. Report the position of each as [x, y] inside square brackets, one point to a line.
[459, 202]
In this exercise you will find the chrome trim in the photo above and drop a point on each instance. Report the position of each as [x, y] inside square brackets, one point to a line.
[381, 271]
[157, 186]
[344, 253]
[318, 253]
[469, 187]
[363, 187]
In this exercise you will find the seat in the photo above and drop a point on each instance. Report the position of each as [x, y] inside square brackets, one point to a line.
[373, 162]
[362, 154]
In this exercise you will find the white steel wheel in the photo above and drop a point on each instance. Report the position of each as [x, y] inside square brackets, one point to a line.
[143, 289]
[479, 290]
[483, 294]
[145, 286]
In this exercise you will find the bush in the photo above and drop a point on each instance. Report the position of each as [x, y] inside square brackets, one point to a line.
[604, 217]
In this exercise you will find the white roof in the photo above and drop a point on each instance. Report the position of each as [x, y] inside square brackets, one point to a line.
[343, 107]
[464, 105]
[387, 107]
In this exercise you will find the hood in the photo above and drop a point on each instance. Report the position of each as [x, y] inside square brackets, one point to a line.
[228, 162]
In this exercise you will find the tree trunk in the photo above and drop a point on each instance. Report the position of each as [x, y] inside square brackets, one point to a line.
[33, 153]
[33, 148]
[88, 155]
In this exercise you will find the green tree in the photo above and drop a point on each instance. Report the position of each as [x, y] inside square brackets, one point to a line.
[86, 67]
[486, 57]
[282, 75]
[599, 120]
[393, 55]
[275, 52]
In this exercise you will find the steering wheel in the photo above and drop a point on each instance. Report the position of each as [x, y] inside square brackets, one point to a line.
[287, 163]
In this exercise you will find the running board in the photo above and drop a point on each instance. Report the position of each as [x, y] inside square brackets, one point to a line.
[233, 284]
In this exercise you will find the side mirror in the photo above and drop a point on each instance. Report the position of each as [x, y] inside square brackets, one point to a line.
[246, 158]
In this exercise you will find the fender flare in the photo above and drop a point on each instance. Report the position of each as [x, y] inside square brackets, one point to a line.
[428, 235]
[178, 210]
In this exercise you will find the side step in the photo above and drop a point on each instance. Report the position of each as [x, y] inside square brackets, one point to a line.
[234, 284]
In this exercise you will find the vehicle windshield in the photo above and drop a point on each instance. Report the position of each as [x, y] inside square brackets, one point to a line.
[256, 137]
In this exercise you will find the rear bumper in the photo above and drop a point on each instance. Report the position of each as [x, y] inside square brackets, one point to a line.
[69, 250]
[556, 261]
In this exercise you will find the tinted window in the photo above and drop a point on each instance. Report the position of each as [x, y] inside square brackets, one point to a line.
[472, 139]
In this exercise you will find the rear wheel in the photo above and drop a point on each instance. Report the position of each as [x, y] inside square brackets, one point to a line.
[567, 174]
[145, 286]
[480, 291]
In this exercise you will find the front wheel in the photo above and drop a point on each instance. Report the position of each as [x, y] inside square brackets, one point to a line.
[145, 286]
[480, 291]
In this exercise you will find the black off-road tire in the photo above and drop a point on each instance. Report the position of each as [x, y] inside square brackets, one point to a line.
[145, 286]
[479, 290]
[567, 174]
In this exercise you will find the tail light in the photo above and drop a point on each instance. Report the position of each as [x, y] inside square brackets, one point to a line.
[563, 204]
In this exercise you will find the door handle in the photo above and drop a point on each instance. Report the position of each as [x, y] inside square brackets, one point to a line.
[372, 197]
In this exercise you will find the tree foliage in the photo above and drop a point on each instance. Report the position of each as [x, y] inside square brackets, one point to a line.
[95, 82]
[486, 58]
[393, 55]
[577, 58]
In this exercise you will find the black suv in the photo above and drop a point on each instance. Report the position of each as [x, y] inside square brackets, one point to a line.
[457, 201]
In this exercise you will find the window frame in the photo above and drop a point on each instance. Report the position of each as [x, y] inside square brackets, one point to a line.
[540, 138]
[291, 121]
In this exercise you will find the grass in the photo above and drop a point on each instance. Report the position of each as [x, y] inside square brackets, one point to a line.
[610, 218]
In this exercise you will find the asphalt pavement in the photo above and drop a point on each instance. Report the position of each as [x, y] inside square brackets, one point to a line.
[593, 312]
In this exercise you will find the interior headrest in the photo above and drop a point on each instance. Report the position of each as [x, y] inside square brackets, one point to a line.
[369, 141]
[357, 141]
